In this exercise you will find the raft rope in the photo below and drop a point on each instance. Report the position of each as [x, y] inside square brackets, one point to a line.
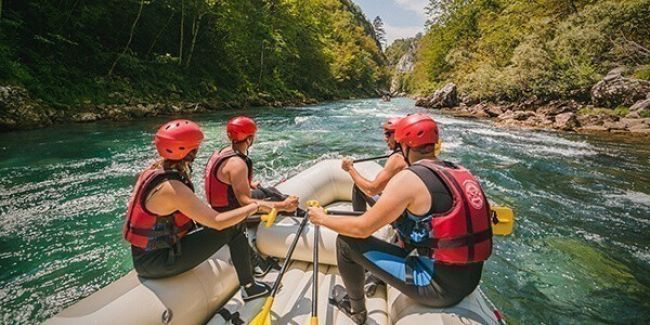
[495, 310]
[233, 318]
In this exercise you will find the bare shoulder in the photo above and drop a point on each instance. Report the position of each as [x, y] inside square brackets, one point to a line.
[174, 188]
[402, 183]
[395, 162]
[234, 165]
[166, 196]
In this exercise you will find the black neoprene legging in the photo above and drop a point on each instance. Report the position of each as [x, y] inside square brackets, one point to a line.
[448, 284]
[196, 248]
[360, 199]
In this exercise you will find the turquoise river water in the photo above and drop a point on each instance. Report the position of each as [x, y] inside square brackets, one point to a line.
[580, 253]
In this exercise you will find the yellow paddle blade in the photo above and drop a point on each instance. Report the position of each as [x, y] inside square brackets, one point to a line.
[264, 316]
[270, 218]
[313, 203]
[314, 321]
[503, 220]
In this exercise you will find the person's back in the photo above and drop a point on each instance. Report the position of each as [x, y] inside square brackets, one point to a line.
[164, 208]
[229, 172]
[438, 209]
[229, 181]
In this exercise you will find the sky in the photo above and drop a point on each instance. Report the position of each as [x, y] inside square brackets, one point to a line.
[402, 18]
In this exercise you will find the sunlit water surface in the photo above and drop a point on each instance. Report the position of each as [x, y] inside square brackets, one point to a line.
[580, 253]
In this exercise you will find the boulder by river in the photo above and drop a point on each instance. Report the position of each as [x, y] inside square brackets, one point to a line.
[572, 115]
[446, 96]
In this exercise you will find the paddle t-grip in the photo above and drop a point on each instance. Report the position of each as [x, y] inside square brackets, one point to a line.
[270, 217]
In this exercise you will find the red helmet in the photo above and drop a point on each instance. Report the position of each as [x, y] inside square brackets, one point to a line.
[416, 130]
[391, 123]
[175, 139]
[240, 128]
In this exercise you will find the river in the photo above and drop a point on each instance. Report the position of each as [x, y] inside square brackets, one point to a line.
[580, 252]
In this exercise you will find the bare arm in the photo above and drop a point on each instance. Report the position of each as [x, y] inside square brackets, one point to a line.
[175, 196]
[237, 173]
[387, 209]
[393, 166]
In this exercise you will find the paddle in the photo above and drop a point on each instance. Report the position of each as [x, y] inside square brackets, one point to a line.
[264, 316]
[314, 288]
[503, 220]
[370, 158]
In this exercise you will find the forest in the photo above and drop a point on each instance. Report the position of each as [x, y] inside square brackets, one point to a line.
[516, 49]
[71, 53]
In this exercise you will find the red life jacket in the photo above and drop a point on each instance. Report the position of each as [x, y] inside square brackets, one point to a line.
[221, 196]
[460, 235]
[146, 229]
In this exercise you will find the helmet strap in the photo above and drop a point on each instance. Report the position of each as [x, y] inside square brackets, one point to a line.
[405, 153]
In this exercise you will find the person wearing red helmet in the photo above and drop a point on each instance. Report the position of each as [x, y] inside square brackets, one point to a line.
[229, 179]
[229, 182]
[163, 212]
[366, 191]
[442, 220]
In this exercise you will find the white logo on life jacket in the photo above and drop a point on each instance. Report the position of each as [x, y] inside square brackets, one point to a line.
[474, 195]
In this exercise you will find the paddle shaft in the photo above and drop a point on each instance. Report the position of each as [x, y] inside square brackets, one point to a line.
[371, 158]
[344, 213]
[292, 248]
[314, 291]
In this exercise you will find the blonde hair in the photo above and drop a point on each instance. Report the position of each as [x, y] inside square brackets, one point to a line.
[430, 148]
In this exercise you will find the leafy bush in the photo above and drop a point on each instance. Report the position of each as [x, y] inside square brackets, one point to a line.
[499, 49]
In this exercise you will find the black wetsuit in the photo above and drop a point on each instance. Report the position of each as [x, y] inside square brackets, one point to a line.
[196, 248]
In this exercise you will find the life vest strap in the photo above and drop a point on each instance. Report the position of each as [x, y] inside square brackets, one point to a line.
[463, 241]
[151, 233]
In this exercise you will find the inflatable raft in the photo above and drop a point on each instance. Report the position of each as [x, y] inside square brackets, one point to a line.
[196, 296]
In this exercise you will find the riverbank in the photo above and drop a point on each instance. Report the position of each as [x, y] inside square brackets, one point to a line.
[614, 105]
[558, 115]
[18, 110]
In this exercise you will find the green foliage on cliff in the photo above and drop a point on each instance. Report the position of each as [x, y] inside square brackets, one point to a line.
[398, 48]
[510, 49]
[71, 52]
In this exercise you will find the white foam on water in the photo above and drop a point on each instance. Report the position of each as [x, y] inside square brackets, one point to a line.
[534, 137]
[634, 197]
[591, 236]
[301, 119]
[443, 120]
[364, 111]
[642, 254]
[450, 146]
[566, 152]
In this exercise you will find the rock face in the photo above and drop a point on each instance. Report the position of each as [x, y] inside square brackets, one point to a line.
[640, 108]
[403, 68]
[566, 121]
[19, 110]
[616, 90]
[444, 97]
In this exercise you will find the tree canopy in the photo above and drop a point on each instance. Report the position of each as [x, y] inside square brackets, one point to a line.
[69, 52]
[509, 49]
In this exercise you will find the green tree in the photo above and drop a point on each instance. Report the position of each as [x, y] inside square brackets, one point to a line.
[380, 33]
